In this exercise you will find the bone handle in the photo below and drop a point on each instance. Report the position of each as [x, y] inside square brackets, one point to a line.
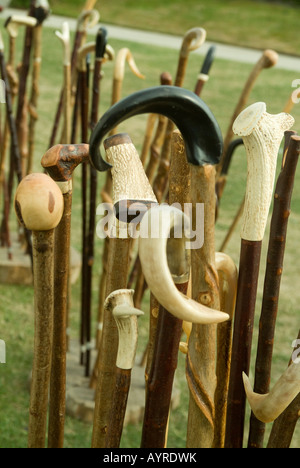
[262, 134]
[268, 407]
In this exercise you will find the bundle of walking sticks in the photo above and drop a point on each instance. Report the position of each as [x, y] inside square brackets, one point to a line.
[160, 236]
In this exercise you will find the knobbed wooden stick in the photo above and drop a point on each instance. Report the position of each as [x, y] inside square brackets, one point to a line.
[262, 134]
[274, 270]
[120, 305]
[60, 163]
[39, 207]
[129, 183]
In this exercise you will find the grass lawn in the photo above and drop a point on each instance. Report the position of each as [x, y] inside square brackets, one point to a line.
[221, 94]
[249, 23]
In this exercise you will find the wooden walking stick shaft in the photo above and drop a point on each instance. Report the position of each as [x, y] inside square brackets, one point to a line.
[201, 361]
[57, 395]
[246, 299]
[43, 246]
[274, 269]
[129, 183]
[262, 134]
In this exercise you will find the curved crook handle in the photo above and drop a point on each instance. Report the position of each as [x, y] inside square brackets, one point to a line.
[119, 71]
[87, 20]
[193, 39]
[194, 119]
[64, 36]
[268, 407]
[13, 23]
[109, 54]
[155, 230]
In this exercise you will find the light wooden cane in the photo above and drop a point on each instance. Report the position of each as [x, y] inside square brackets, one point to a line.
[39, 207]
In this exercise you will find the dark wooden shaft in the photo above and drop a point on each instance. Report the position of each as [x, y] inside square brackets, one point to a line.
[274, 270]
[117, 275]
[119, 405]
[160, 384]
[242, 339]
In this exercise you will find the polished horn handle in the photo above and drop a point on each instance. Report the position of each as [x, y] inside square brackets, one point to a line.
[155, 230]
[194, 119]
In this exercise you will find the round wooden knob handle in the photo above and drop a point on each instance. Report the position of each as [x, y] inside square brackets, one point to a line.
[39, 203]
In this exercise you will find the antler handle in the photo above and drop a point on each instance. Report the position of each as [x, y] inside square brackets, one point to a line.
[268, 407]
[153, 256]
[262, 134]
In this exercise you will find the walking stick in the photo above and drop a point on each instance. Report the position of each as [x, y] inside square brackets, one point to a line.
[87, 19]
[262, 134]
[228, 278]
[222, 180]
[193, 39]
[268, 59]
[12, 25]
[42, 12]
[151, 168]
[21, 114]
[100, 48]
[129, 184]
[153, 255]
[284, 426]
[39, 206]
[15, 165]
[274, 268]
[64, 37]
[203, 76]
[120, 305]
[60, 163]
[191, 115]
[119, 72]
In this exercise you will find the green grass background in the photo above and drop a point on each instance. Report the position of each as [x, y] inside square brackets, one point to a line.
[221, 93]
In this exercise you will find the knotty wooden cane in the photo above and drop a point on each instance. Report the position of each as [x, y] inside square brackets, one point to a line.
[121, 307]
[262, 134]
[274, 270]
[39, 207]
[60, 163]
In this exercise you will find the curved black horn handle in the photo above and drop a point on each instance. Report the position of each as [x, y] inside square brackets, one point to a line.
[193, 118]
